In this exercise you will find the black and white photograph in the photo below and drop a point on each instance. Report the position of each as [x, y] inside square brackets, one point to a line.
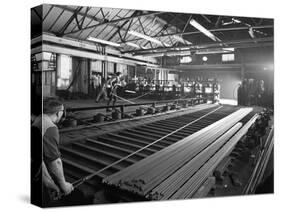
[133, 105]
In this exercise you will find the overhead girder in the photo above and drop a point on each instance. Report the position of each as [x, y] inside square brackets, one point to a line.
[122, 30]
[234, 43]
[211, 30]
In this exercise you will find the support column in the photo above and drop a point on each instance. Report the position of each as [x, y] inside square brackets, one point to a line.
[58, 58]
[104, 64]
[242, 66]
[56, 74]
[242, 72]
[88, 75]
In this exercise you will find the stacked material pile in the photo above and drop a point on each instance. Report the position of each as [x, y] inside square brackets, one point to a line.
[177, 171]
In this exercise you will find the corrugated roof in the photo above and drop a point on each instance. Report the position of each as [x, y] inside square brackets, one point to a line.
[113, 24]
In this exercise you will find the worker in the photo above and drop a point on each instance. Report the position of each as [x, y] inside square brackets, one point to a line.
[260, 92]
[103, 90]
[51, 168]
[95, 85]
[121, 88]
[112, 89]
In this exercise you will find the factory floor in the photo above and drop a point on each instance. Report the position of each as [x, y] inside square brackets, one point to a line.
[93, 103]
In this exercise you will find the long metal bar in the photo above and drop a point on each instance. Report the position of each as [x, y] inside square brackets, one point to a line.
[194, 183]
[162, 152]
[141, 155]
[81, 181]
[100, 151]
[154, 177]
[130, 139]
[171, 184]
[251, 185]
[186, 152]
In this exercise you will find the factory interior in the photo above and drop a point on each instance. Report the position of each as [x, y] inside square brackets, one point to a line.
[157, 105]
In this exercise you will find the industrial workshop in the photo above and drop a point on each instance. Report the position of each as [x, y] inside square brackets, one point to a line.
[131, 105]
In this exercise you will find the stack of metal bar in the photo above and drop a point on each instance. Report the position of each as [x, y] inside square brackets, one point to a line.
[177, 171]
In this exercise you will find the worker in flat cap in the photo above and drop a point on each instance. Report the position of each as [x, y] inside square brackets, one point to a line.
[112, 91]
[51, 166]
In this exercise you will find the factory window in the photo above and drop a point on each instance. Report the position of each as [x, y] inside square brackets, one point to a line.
[121, 68]
[96, 66]
[186, 59]
[64, 71]
[110, 67]
[227, 57]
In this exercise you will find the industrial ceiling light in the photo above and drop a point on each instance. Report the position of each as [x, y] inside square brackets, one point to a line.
[203, 30]
[236, 20]
[214, 51]
[103, 41]
[154, 55]
[233, 21]
[204, 58]
[137, 34]
[183, 48]
[132, 45]
[228, 49]
[181, 53]
[186, 59]
[251, 32]
[144, 47]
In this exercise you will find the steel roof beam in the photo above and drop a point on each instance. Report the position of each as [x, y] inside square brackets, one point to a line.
[84, 17]
[207, 45]
[115, 21]
[69, 21]
[118, 30]
[94, 28]
[53, 24]
[48, 13]
[211, 30]
[210, 48]
[207, 19]
[218, 21]
[102, 30]
[186, 24]
[128, 28]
